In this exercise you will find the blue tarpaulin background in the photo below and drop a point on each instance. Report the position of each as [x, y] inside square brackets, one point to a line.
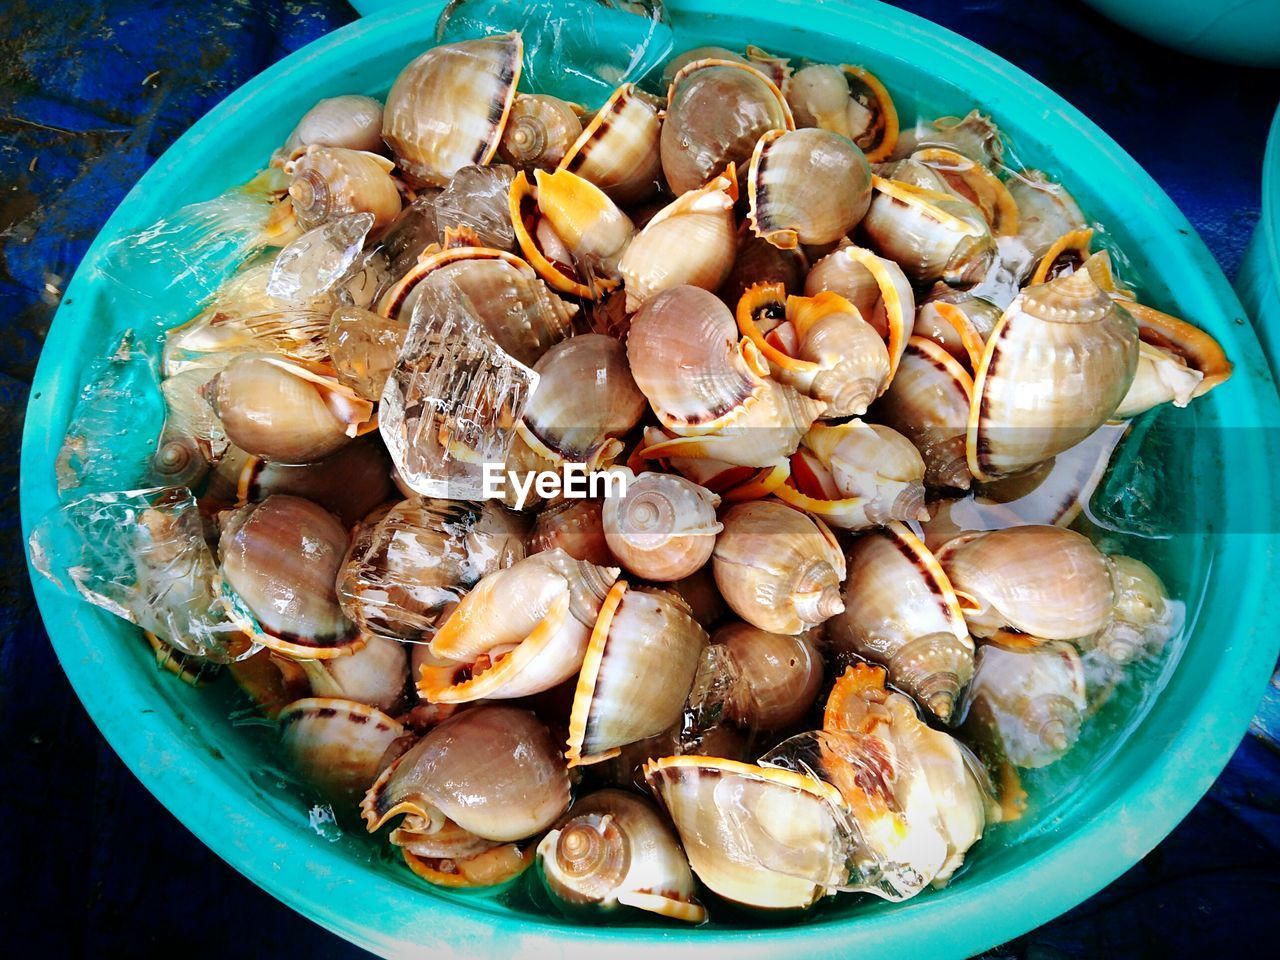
[92, 92]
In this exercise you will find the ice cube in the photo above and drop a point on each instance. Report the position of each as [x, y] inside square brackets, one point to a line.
[364, 347]
[320, 259]
[114, 424]
[413, 231]
[476, 200]
[579, 50]
[142, 555]
[452, 401]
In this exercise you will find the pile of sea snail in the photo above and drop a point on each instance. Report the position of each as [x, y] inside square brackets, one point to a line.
[860, 380]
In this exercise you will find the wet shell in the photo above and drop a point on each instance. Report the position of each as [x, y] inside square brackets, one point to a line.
[1176, 362]
[284, 410]
[778, 676]
[759, 261]
[759, 836]
[279, 558]
[448, 108]
[692, 240]
[1025, 705]
[825, 349]
[490, 868]
[1046, 210]
[349, 121]
[1045, 581]
[1142, 618]
[576, 527]
[516, 308]
[846, 100]
[932, 236]
[664, 528]
[972, 181]
[494, 771]
[539, 132]
[348, 484]
[1054, 369]
[806, 186]
[856, 475]
[973, 135]
[682, 60]
[638, 669]
[900, 610]
[377, 674]
[338, 745]
[928, 403]
[585, 401]
[716, 111]
[503, 650]
[618, 148]
[876, 286]
[777, 568]
[615, 851]
[958, 322]
[332, 182]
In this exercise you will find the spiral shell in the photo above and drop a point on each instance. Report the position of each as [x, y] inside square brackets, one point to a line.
[664, 528]
[692, 240]
[957, 321]
[856, 475]
[900, 610]
[777, 568]
[348, 484]
[539, 132]
[285, 410]
[350, 121]
[494, 771]
[716, 111]
[332, 182]
[759, 261]
[806, 186]
[498, 649]
[876, 286]
[338, 745]
[1055, 368]
[931, 235]
[637, 671]
[1142, 617]
[1045, 581]
[618, 149]
[377, 674]
[1046, 210]
[279, 559]
[972, 181]
[1026, 705]
[1176, 363]
[614, 851]
[777, 676]
[849, 101]
[447, 109]
[974, 135]
[576, 526]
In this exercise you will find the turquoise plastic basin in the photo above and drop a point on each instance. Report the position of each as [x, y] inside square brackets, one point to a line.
[1236, 31]
[1258, 282]
[221, 781]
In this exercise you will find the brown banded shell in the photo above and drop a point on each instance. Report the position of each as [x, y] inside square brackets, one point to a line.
[279, 558]
[504, 292]
[876, 286]
[957, 321]
[1055, 368]
[412, 562]
[284, 410]
[901, 611]
[663, 528]
[777, 568]
[502, 649]
[806, 186]
[494, 771]
[637, 671]
[778, 676]
[332, 182]
[759, 261]
[856, 475]
[974, 182]
[928, 403]
[377, 674]
[759, 836]
[338, 745]
[348, 484]
[618, 148]
[1025, 705]
[539, 132]
[692, 240]
[576, 526]
[614, 851]
[585, 401]
[350, 121]
[489, 868]
[716, 111]
[931, 235]
[846, 100]
[1045, 581]
[447, 109]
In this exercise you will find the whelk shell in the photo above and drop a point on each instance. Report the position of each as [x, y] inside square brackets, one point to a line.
[539, 132]
[931, 235]
[664, 528]
[849, 101]
[331, 182]
[618, 149]
[339, 745]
